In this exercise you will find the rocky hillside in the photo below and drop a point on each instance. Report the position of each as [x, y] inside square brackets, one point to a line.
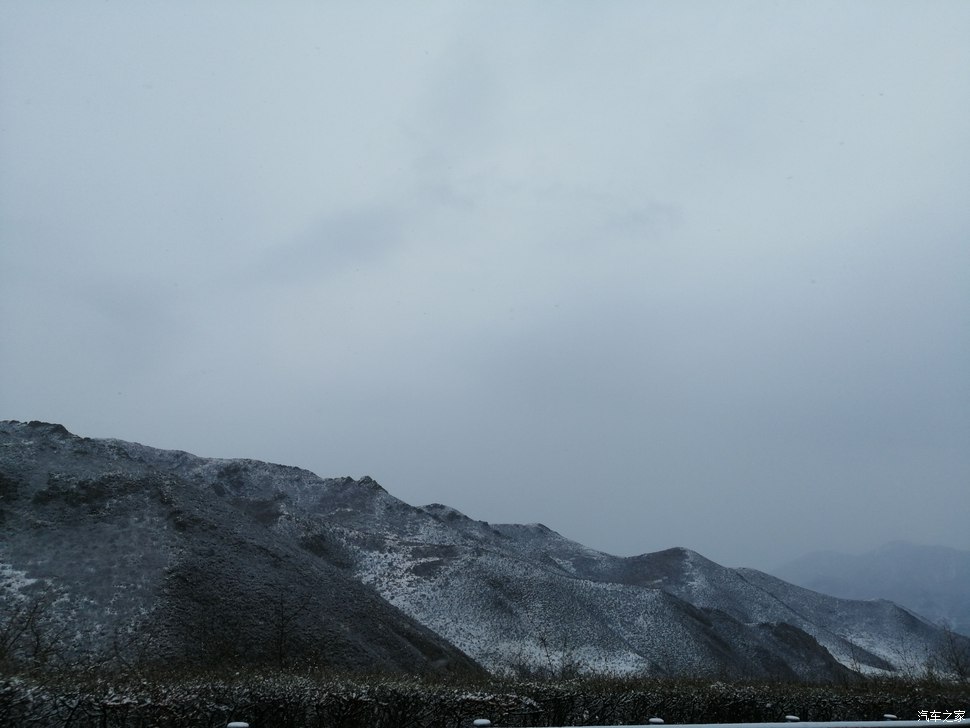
[143, 554]
[113, 553]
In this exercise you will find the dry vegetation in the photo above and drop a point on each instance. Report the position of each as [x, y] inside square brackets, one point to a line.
[286, 699]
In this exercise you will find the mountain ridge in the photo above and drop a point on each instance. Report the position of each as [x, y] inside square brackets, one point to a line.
[317, 561]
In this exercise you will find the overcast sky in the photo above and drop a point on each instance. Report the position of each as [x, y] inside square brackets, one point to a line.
[652, 273]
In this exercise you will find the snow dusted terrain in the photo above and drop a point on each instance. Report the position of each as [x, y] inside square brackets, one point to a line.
[243, 560]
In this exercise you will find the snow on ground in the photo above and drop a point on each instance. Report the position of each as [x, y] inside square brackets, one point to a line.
[14, 581]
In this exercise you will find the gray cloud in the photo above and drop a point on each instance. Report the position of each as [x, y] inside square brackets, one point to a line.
[654, 275]
[336, 245]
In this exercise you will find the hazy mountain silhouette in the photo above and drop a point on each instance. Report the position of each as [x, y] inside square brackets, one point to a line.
[931, 580]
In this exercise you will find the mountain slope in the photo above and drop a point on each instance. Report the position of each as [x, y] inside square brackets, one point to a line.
[139, 550]
[554, 602]
[134, 553]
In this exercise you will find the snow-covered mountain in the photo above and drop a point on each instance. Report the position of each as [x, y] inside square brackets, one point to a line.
[113, 551]
[932, 580]
[139, 549]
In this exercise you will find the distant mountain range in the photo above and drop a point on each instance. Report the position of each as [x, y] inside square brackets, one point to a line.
[931, 580]
[128, 553]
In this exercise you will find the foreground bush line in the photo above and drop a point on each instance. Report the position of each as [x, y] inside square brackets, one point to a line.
[287, 700]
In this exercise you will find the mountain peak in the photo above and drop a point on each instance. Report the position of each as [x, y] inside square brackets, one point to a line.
[369, 482]
[52, 428]
[39, 427]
